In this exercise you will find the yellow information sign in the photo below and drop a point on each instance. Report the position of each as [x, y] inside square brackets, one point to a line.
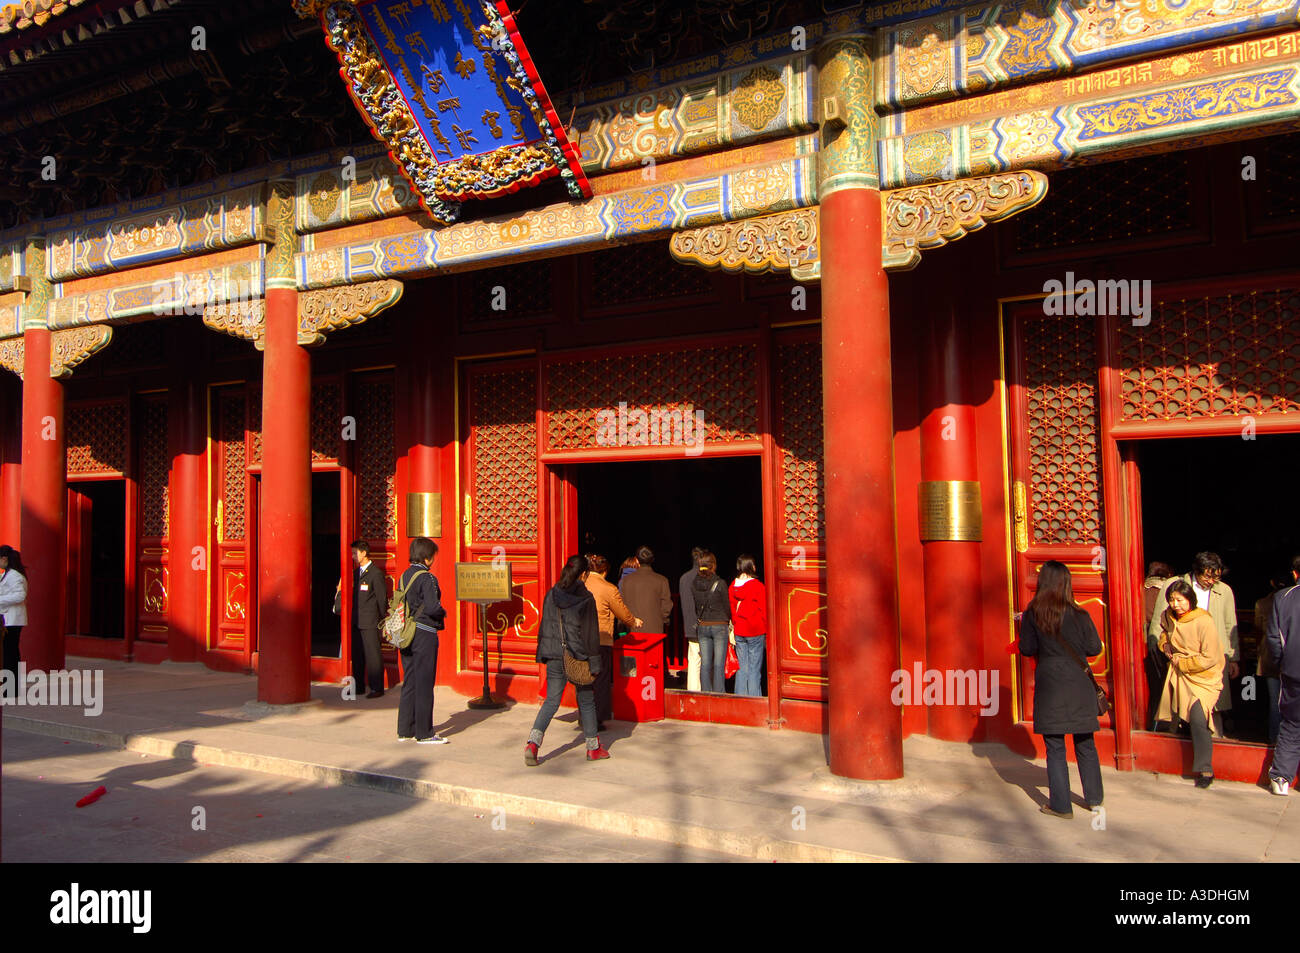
[483, 582]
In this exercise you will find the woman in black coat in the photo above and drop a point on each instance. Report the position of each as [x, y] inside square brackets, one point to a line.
[568, 618]
[1065, 702]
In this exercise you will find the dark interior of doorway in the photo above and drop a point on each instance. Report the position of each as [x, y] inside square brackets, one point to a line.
[1233, 497]
[671, 506]
[326, 541]
[103, 566]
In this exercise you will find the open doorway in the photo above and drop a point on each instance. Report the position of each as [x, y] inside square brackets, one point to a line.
[672, 506]
[326, 564]
[1232, 497]
[97, 558]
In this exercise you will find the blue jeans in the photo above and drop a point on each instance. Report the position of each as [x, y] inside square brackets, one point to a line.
[555, 682]
[749, 649]
[713, 657]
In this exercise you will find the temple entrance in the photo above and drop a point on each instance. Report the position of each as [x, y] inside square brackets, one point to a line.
[97, 558]
[1229, 496]
[326, 565]
[672, 506]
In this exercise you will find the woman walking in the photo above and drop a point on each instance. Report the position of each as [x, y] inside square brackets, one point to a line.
[420, 658]
[749, 619]
[1061, 635]
[713, 618]
[13, 605]
[568, 622]
[1190, 639]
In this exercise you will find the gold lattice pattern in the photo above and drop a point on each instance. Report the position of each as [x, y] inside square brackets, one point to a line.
[96, 438]
[800, 439]
[231, 408]
[1229, 356]
[502, 415]
[255, 426]
[1158, 198]
[720, 382]
[326, 422]
[1277, 175]
[376, 461]
[645, 272]
[154, 465]
[1061, 400]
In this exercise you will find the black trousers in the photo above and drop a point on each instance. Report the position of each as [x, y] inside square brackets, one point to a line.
[1202, 741]
[1058, 771]
[1157, 668]
[419, 672]
[604, 684]
[11, 659]
[367, 658]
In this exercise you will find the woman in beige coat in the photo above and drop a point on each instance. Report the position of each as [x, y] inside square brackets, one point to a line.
[1195, 679]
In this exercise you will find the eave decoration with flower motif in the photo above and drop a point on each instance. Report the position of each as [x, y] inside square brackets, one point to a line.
[319, 312]
[914, 218]
[413, 68]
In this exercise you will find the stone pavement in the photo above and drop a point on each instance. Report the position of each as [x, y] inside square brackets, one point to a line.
[249, 816]
[748, 792]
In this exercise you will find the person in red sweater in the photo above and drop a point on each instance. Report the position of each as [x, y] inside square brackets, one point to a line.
[749, 618]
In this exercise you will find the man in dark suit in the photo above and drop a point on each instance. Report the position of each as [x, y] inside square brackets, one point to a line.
[369, 607]
[647, 594]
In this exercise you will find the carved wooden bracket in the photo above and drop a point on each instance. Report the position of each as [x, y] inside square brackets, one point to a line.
[68, 348]
[780, 242]
[927, 216]
[912, 219]
[319, 312]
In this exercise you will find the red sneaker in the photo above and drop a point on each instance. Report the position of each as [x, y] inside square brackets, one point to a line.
[530, 755]
[599, 754]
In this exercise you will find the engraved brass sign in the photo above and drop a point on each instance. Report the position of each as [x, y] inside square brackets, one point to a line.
[483, 583]
[950, 510]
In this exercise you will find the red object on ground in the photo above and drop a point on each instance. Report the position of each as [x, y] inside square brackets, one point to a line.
[638, 689]
[93, 796]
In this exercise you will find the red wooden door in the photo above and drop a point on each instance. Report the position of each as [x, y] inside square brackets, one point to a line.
[234, 528]
[1055, 446]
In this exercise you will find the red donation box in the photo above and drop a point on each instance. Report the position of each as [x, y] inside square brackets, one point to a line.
[638, 687]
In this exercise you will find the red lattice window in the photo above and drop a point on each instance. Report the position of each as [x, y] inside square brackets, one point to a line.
[644, 272]
[376, 460]
[1227, 356]
[798, 379]
[1060, 376]
[231, 411]
[326, 422]
[719, 381]
[502, 417]
[154, 466]
[255, 426]
[96, 438]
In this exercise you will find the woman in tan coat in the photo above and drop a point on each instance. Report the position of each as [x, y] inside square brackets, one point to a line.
[1195, 679]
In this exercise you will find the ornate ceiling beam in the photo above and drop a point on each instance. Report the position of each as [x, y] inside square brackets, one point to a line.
[68, 348]
[913, 219]
[319, 312]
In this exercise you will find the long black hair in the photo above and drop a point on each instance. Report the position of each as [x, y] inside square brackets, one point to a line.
[1053, 598]
[571, 575]
[15, 560]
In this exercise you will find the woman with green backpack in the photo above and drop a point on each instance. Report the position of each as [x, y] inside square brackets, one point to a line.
[423, 600]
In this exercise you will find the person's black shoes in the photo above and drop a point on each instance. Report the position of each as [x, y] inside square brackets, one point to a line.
[375, 694]
[1204, 780]
[1047, 809]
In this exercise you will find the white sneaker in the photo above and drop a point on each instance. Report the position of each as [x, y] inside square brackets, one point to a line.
[405, 737]
[1279, 786]
[431, 740]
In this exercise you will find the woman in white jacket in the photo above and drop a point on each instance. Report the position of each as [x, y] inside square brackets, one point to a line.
[13, 604]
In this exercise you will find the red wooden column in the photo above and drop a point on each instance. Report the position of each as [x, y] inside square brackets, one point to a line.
[953, 591]
[866, 732]
[11, 458]
[422, 403]
[284, 534]
[187, 493]
[44, 504]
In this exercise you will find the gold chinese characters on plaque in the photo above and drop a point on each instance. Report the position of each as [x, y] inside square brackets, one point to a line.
[950, 510]
[483, 582]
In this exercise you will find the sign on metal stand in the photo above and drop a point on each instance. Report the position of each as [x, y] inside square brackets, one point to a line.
[484, 584]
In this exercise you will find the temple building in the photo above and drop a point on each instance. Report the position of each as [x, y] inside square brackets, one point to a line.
[903, 298]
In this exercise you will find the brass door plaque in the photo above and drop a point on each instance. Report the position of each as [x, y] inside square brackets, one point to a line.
[950, 510]
[424, 514]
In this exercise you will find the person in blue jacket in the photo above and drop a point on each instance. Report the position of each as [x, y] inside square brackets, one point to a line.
[1283, 637]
